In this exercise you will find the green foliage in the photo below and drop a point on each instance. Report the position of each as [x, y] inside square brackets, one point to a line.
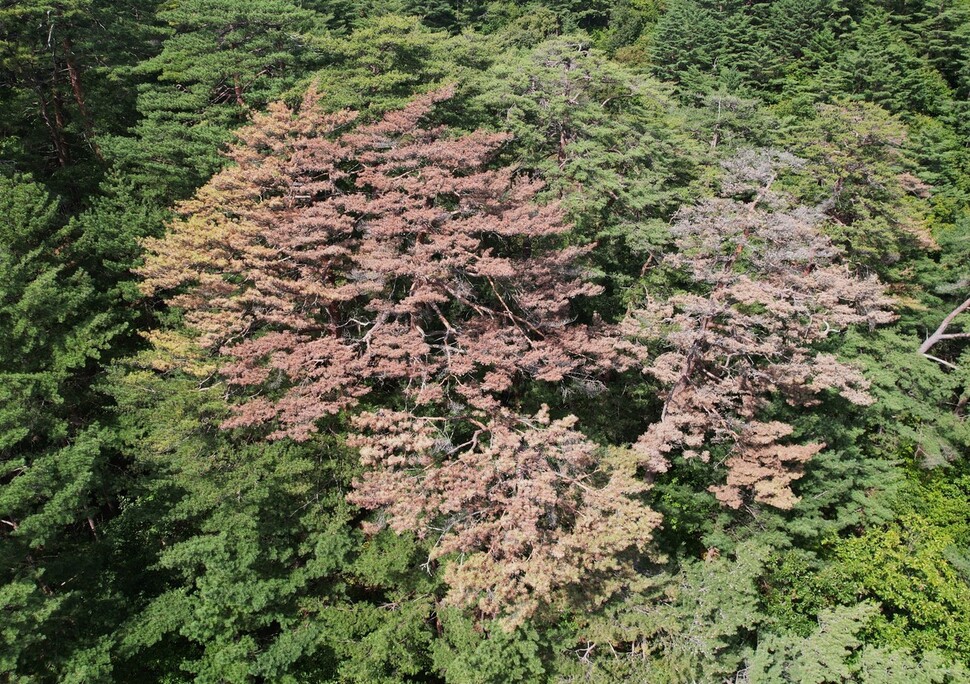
[884, 69]
[384, 62]
[139, 541]
[941, 29]
[906, 421]
[106, 236]
[857, 171]
[258, 570]
[836, 652]
[64, 66]
[913, 570]
[916, 567]
[607, 142]
[466, 653]
[221, 60]
[36, 43]
[696, 623]
[685, 42]
[48, 331]
[905, 568]
[56, 478]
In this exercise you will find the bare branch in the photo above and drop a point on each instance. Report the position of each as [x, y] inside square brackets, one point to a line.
[941, 334]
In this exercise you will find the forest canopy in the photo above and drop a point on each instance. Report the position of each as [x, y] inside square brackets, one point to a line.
[485, 341]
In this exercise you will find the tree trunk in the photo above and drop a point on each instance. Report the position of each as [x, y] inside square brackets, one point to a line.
[74, 74]
[238, 89]
[54, 127]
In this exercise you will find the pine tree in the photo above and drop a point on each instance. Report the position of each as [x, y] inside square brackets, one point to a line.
[859, 172]
[222, 60]
[37, 45]
[938, 30]
[536, 516]
[389, 261]
[885, 70]
[247, 559]
[685, 42]
[769, 288]
[606, 142]
[55, 485]
[63, 66]
[835, 651]
[383, 63]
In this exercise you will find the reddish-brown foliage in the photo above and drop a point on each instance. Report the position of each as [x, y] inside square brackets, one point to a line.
[322, 265]
[327, 264]
[769, 286]
[529, 505]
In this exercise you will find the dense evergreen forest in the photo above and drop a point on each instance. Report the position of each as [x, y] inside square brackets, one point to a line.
[485, 341]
